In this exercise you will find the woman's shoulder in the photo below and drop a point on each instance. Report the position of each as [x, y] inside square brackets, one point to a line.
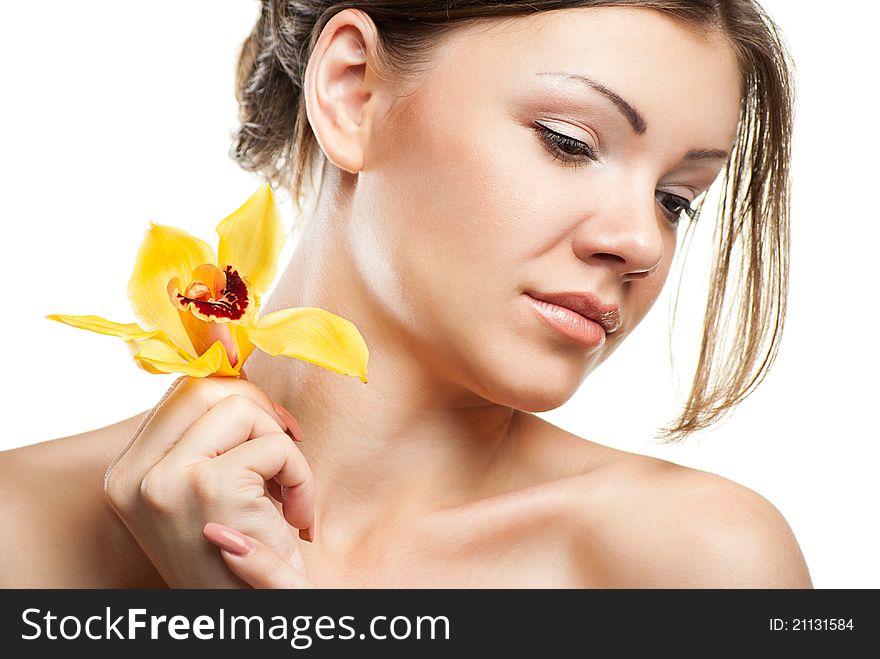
[648, 522]
[59, 530]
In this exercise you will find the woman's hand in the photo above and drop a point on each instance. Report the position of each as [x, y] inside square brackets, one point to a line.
[213, 449]
[256, 564]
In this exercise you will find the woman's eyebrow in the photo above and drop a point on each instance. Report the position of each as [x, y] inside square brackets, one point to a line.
[706, 154]
[638, 123]
[635, 119]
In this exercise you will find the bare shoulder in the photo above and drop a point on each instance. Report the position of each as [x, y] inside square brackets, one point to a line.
[58, 529]
[644, 522]
[665, 525]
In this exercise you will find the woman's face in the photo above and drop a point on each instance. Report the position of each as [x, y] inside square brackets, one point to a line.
[465, 204]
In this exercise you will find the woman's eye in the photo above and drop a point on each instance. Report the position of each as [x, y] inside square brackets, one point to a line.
[565, 149]
[673, 206]
[575, 153]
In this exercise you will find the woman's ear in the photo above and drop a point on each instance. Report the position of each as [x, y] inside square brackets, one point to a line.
[339, 88]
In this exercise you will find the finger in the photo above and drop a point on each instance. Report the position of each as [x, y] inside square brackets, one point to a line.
[188, 400]
[274, 489]
[231, 422]
[275, 456]
[253, 562]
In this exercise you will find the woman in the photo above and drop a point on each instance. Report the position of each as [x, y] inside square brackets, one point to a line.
[477, 163]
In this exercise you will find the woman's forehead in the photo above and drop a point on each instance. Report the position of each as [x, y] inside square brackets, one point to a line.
[624, 43]
[677, 78]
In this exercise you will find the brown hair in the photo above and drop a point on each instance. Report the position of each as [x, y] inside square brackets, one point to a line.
[752, 233]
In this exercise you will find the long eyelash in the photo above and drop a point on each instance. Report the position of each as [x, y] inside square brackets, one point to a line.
[556, 145]
[691, 211]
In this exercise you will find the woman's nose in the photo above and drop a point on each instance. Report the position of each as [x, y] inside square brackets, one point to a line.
[625, 237]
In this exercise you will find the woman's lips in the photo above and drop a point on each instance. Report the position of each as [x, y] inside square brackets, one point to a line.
[570, 323]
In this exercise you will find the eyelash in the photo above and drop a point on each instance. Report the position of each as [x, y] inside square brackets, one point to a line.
[556, 143]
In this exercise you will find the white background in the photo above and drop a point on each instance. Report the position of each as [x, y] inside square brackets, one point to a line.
[115, 114]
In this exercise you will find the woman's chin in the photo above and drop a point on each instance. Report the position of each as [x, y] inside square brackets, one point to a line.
[544, 405]
[540, 395]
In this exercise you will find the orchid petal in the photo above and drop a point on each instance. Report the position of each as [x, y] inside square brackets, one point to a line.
[103, 326]
[243, 345]
[251, 239]
[166, 252]
[160, 357]
[313, 335]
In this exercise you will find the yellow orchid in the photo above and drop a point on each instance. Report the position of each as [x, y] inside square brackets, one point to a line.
[201, 312]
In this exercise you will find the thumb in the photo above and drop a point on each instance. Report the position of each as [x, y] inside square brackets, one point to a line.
[252, 561]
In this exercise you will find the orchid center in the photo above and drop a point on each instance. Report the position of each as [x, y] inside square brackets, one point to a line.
[211, 300]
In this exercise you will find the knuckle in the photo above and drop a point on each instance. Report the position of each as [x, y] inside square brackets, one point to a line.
[244, 385]
[251, 392]
[297, 457]
[205, 484]
[155, 491]
[202, 390]
[280, 442]
[283, 444]
[238, 404]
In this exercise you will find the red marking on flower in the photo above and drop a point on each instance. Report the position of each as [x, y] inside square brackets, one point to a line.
[231, 304]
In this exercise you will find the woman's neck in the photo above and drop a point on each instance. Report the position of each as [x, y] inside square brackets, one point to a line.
[407, 442]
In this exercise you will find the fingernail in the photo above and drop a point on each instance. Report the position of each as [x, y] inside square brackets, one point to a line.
[292, 423]
[307, 534]
[229, 539]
